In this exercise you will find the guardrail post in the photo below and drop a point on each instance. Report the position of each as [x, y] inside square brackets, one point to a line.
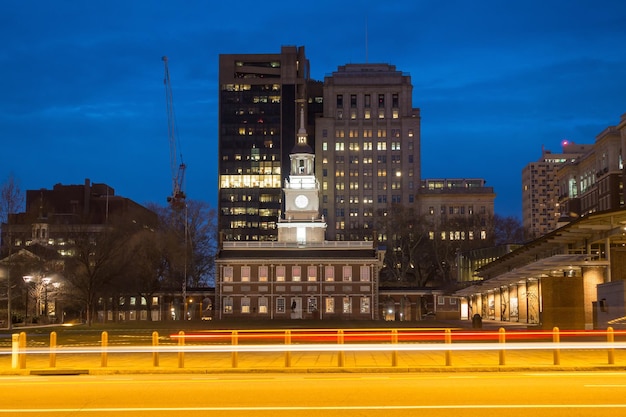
[287, 351]
[556, 353]
[22, 355]
[502, 340]
[15, 350]
[341, 354]
[394, 353]
[104, 357]
[448, 340]
[234, 341]
[610, 338]
[53, 349]
[181, 350]
[155, 346]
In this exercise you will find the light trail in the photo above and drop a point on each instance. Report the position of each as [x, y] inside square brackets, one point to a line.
[321, 347]
[16, 411]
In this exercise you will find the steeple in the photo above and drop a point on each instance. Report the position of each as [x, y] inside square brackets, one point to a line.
[301, 140]
[301, 223]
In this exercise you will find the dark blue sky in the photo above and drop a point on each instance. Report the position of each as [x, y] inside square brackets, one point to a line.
[82, 91]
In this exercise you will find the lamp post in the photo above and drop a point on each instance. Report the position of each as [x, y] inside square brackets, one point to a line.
[27, 279]
[45, 282]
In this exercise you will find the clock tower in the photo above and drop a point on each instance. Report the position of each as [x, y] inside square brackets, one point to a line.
[301, 222]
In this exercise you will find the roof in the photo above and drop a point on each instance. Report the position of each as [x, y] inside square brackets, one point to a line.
[564, 249]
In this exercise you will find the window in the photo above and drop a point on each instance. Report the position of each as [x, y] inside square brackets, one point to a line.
[228, 274]
[245, 274]
[353, 101]
[311, 304]
[347, 305]
[280, 305]
[339, 100]
[329, 305]
[329, 273]
[311, 273]
[245, 305]
[395, 100]
[263, 273]
[381, 100]
[228, 305]
[280, 273]
[263, 305]
[365, 273]
[440, 300]
[347, 273]
[365, 305]
[368, 101]
[296, 273]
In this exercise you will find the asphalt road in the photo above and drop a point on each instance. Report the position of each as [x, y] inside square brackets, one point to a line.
[472, 394]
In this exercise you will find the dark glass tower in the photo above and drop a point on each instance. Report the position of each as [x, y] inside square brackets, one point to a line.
[257, 129]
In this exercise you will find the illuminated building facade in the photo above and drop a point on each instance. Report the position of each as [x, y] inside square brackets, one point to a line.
[300, 276]
[367, 144]
[540, 189]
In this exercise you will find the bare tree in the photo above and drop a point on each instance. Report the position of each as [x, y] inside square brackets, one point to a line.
[507, 230]
[11, 200]
[192, 235]
[101, 256]
[402, 230]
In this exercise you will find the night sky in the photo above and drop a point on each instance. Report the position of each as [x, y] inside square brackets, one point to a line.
[82, 92]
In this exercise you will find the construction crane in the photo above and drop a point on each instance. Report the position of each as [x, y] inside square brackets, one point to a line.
[177, 199]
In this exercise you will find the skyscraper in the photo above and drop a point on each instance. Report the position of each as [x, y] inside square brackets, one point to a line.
[367, 147]
[257, 127]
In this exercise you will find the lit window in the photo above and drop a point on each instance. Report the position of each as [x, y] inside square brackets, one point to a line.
[329, 273]
[245, 274]
[347, 273]
[365, 305]
[228, 274]
[263, 273]
[280, 273]
[228, 305]
[245, 305]
[365, 273]
[296, 273]
[329, 305]
[263, 305]
[311, 273]
[347, 305]
[280, 305]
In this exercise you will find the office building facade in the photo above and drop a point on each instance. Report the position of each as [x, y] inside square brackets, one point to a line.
[367, 143]
[541, 191]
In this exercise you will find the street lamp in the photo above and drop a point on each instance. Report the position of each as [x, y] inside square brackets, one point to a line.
[27, 279]
[45, 281]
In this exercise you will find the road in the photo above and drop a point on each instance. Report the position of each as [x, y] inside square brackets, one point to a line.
[471, 394]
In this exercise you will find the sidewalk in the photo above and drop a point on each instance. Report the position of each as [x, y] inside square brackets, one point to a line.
[325, 361]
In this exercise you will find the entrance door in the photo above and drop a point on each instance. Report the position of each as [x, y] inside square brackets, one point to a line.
[296, 308]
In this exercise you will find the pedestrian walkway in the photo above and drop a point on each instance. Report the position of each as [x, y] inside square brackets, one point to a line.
[434, 359]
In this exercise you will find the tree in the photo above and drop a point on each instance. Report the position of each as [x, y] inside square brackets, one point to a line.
[402, 230]
[192, 235]
[100, 256]
[11, 200]
[507, 230]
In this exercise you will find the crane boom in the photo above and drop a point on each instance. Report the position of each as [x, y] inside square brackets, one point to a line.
[177, 199]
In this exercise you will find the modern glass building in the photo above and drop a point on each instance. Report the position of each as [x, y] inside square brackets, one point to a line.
[257, 127]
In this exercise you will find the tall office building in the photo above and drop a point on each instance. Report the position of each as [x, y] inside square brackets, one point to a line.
[540, 189]
[257, 127]
[367, 146]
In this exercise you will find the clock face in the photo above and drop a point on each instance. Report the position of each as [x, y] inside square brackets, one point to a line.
[301, 201]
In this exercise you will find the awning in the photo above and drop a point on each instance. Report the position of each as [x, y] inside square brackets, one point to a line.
[553, 265]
